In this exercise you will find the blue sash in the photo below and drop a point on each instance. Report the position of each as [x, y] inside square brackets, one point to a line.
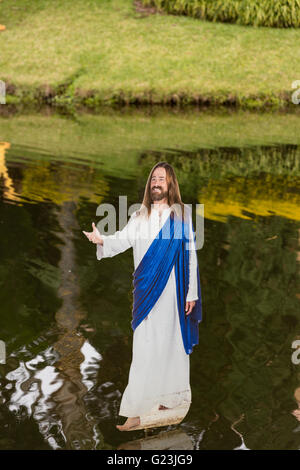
[152, 274]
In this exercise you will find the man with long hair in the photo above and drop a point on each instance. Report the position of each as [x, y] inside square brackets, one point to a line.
[166, 297]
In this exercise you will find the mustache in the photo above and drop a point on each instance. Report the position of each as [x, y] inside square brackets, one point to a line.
[156, 187]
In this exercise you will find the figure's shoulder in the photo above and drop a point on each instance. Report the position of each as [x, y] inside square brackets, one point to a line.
[135, 217]
[139, 214]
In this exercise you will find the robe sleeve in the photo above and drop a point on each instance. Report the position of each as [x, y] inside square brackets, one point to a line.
[193, 284]
[118, 242]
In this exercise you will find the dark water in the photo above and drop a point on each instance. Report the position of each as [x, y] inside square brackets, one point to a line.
[65, 317]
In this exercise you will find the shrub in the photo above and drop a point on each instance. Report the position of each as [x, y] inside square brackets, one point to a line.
[272, 13]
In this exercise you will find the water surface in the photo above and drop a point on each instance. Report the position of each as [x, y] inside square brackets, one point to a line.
[65, 317]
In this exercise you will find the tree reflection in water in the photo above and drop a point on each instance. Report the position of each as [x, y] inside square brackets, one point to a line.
[54, 394]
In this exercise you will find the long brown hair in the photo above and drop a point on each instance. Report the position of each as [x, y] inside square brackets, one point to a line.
[174, 197]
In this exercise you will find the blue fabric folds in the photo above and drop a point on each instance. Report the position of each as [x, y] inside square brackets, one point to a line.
[169, 248]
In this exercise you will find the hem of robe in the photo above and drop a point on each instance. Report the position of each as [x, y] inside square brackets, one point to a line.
[151, 405]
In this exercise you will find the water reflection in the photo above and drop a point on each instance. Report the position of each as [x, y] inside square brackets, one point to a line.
[55, 398]
[59, 308]
[79, 431]
[167, 440]
[242, 446]
[9, 193]
[54, 395]
[233, 182]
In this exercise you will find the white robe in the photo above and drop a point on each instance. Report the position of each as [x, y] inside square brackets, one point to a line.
[160, 368]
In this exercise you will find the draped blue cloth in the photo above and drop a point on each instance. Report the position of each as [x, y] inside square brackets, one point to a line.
[169, 248]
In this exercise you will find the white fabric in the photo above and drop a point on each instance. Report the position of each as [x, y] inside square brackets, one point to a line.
[160, 368]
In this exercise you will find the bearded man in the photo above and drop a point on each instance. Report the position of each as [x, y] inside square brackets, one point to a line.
[167, 306]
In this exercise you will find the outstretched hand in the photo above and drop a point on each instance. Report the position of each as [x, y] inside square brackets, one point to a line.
[189, 306]
[94, 236]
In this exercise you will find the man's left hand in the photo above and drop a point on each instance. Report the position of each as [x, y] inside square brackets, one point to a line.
[189, 307]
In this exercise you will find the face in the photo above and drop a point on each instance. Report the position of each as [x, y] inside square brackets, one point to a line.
[159, 185]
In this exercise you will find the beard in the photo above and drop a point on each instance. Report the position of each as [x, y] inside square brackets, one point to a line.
[158, 195]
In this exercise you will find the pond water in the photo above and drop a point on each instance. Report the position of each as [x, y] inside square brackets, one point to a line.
[66, 317]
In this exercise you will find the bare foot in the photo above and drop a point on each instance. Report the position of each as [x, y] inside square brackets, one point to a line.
[296, 413]
[162, 407]
[130, 423]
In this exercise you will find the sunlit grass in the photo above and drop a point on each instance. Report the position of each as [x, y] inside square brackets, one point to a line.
[105, 46]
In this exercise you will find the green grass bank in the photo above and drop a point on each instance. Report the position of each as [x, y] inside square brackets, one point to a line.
[68, 53]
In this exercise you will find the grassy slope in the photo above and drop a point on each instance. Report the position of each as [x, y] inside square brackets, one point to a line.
[103, 45]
